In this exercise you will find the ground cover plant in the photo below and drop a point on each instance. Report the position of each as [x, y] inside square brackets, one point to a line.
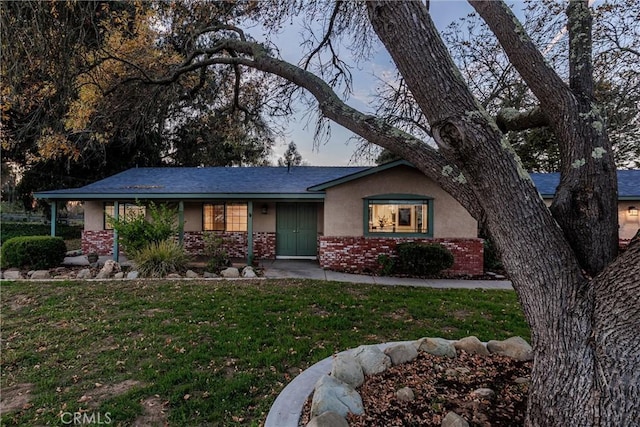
[207, 352]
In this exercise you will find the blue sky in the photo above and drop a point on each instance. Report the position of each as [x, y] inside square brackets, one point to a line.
[338, 150]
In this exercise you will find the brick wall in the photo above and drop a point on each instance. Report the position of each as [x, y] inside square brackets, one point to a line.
[264, 244]
[359, 254]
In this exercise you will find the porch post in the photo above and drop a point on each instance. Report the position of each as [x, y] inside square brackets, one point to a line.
[250, 233]
[54, 213]
[181, 222]
[116, 246]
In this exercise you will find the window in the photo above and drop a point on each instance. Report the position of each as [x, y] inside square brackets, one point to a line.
[224, 216]
[408, 215]
[125, 210]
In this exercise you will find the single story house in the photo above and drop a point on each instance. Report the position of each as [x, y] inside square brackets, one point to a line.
[343, 216]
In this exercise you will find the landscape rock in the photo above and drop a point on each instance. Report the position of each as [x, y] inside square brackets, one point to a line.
[401, 353]
[209, 275]
[437, 347]
[471, 345]
[454, 420]
[119, 275]
[40, 275]
[109, 268]
[248, 272]
[328, 419]
[174, 276]
[405, 394]
[133, 274]
[347, 369]
[191, 274]
[12, 275]
[85, 273]
[230, 273]
[515, 347]
[372, 359]
[334, 395]
[484, 393]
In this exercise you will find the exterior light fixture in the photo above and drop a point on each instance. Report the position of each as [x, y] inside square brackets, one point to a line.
[265, 210]
[633, 211]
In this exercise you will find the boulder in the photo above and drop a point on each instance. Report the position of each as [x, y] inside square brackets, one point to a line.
[12, 274]
[372, 359]
[437, 347]
[347, 369]
[454, 420]
[174, 276]
[230, 273]
[401, 353]
[405, 394]
[248, 272]
[109, 268]
[40, 275]
[328, 419]
[514, 347]
[85, 273]
[191, 274]
[119, 275]
[209, 275]
[133, 274]
[333, 395]
[471, 345]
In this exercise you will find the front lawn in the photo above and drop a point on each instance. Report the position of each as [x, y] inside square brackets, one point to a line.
[206, 352]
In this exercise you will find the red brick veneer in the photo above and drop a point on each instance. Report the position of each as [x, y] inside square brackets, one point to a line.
[359, 254]
[264, 244]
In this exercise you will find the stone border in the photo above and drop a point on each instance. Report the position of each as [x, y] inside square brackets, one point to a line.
[287, 408]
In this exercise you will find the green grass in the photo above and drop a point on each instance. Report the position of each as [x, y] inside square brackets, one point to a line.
[217, 352]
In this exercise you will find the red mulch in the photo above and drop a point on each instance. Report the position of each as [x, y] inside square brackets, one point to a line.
[442, 385]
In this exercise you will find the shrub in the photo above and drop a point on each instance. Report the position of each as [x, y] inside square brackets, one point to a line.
[12, 229]
[492, 259]
[135, 232]
[36, 252]
[422, 259]
[214, 250]
[158, 259]
[386, 264]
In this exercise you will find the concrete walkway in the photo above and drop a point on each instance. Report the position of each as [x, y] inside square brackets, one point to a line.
[309, 269]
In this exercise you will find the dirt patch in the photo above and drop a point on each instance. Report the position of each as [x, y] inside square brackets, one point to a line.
[15, 398]
[18, 302]
[101, 393]
[155, 413]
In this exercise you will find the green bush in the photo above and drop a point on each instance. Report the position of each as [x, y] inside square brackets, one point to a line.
[423, 259]
[35, 252]
[386, 264]
[12, 229]
[214, 251]
[135, 232]
[158, 259]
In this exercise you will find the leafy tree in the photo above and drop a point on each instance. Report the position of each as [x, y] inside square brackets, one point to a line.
[572, 288]
[291, 156]
[74, 108]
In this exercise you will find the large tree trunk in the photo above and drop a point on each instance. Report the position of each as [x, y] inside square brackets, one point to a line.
[569, 384]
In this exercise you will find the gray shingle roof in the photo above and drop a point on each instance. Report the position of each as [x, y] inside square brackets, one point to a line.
[265, 182]
[628, 183]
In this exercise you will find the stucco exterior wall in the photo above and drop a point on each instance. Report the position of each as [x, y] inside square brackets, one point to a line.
[93, 215]
[344, 208]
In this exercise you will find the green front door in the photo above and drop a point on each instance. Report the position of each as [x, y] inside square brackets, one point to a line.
[296, 229]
